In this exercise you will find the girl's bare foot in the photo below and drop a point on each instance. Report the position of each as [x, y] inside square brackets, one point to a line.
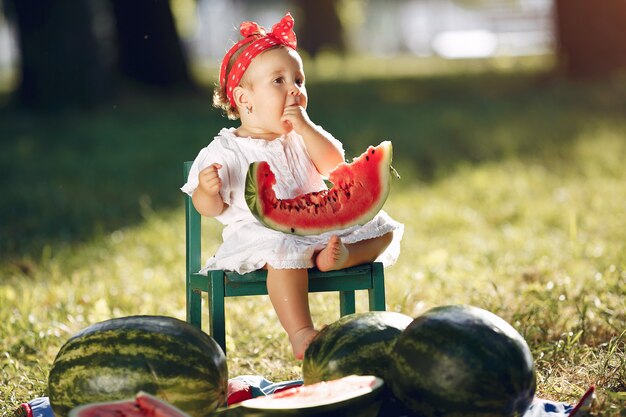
[301, 339]
[333, 256]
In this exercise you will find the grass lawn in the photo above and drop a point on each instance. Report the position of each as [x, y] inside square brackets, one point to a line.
[513, 193]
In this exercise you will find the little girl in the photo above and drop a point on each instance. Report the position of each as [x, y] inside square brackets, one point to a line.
[262, 82]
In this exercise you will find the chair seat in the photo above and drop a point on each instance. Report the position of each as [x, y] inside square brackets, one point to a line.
[261, 274]
[254, 283]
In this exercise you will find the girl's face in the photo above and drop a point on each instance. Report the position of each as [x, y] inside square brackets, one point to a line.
[275, 81]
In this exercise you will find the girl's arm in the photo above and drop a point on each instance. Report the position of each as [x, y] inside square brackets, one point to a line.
[321, 148]
[206, 198]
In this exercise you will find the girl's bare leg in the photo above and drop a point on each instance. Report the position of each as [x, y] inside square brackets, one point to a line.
[289, 293]
[336, 255]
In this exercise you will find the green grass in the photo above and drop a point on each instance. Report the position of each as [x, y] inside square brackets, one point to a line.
[513, 193]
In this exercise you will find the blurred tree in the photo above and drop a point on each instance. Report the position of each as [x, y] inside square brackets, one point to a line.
[591, 36]
[63, 61]
[60, 59]
[150, 50]
[321, 27]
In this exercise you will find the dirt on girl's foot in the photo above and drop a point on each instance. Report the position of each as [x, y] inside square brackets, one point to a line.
[333, 256]
[301, 340]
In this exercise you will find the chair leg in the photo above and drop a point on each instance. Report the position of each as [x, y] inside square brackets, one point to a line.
[194, 308]
[346, 303]
[377, 293]
[217, 325]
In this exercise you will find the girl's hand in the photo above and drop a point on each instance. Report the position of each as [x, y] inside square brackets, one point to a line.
[296, 118]
[209, 180]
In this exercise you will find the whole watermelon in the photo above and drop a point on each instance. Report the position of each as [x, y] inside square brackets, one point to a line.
[462, 360]
[115, 359]
[356, 344]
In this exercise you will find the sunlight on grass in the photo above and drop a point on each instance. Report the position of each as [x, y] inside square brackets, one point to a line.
[540, 245]
[513, 195]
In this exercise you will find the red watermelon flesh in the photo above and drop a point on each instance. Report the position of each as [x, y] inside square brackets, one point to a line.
[354, 395]
[359, 190]
[318, 394]
[144, 405]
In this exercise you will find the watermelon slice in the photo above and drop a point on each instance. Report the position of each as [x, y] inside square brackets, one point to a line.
[143, 405]
[358, 193]
[358, 396]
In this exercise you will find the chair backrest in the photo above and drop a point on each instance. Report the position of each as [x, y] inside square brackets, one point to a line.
[193, 223]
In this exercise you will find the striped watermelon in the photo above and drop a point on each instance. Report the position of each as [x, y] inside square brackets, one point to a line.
[115, 359]
[358, 344]
[462, 360]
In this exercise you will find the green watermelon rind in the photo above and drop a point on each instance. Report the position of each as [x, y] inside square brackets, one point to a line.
[115, 359]
[418, 379]
[252, 197]
[359, 343]
[256, 208]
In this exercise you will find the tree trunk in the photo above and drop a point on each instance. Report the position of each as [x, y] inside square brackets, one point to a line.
[321, 27]
[61, 64]
[591, 37]
[149, 48]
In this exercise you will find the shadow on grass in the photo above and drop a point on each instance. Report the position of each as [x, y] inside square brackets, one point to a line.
[65, 178]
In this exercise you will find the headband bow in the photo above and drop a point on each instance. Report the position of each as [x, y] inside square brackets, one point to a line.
[281, 31]
[259, 40]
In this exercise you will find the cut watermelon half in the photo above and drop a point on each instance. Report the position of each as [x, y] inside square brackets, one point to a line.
[359, 191]
[143, 405]
[359, 396]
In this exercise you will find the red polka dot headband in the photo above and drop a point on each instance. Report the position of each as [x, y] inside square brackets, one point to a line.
[259, 40]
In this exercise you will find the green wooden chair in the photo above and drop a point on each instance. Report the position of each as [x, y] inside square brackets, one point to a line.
[221, 284]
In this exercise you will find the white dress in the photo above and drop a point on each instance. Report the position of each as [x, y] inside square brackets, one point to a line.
[247, 244]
